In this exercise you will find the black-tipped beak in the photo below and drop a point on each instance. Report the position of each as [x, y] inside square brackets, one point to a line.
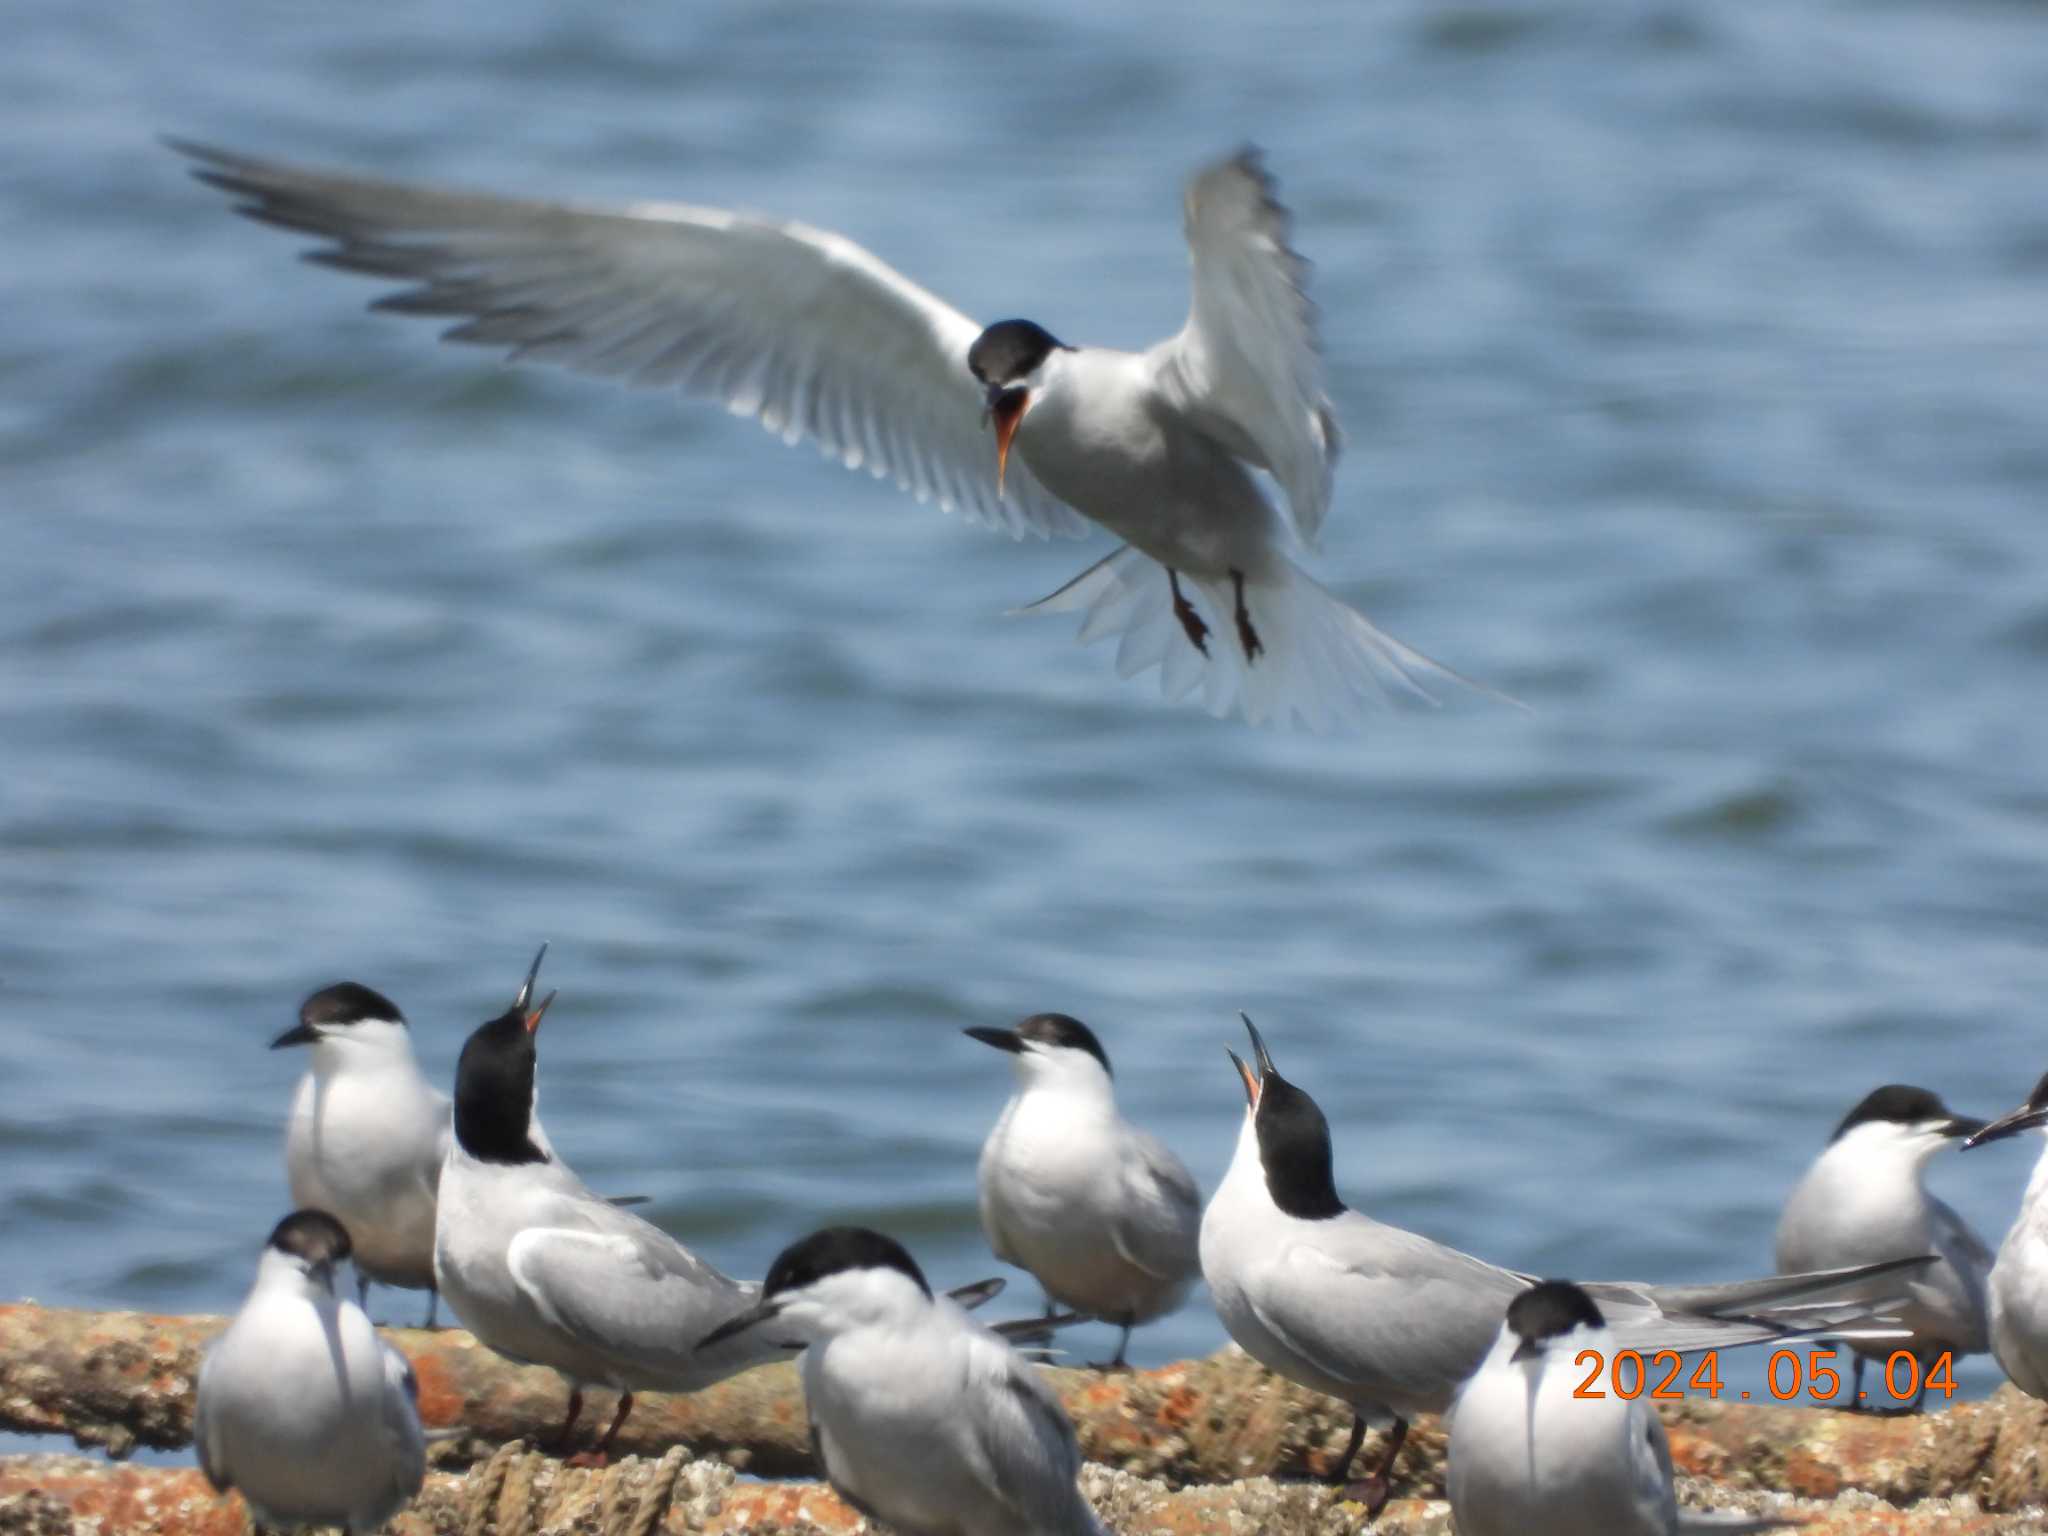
[1263, 1056]
[526, 987]
[1005, 411]
[760, 1312]
[1002, 1039]
[2025, 1118]
[303, 1034]
[1962, 1127]
[1251, 1080]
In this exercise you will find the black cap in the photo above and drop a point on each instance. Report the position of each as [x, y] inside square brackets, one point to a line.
[1903, 1104]
[313, 1236]
[836, 1250]
[1551, 1308]
[337, 1007]
[1011, 350]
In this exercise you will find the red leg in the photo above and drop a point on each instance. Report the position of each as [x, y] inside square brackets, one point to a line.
[1191, 621]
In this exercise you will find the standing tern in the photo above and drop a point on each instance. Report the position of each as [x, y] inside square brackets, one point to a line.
[367, 1134]
[300, 1405]
[1865, 1200]
[923, 1419]
[817, 338]
[1101, 1213]
[1391, 1323]
[1529, 1456]
[546, 1272]
[2019, 1277]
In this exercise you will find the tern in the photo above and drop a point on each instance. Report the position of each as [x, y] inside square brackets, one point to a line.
[546, 1272]
[1865, 1200]
[1170, 449]
[1391, 1323]
[300, 1405]
[922, 1419]
[367, 1134]
[1102, 1214]
[1529, 1456]
[2019, 1276]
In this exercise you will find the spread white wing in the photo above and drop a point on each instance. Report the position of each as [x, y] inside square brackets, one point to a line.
[798, 327]
[1246, 362]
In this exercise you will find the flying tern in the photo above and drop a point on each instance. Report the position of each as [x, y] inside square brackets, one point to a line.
[1171, 449]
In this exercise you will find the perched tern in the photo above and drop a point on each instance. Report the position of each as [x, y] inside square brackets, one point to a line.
[1102, 1214]
[367, 1134]
[2019, 1276]
[1865, 1200]
[817, 338]
[300, 1405]
[922, 1419]
[1391, 1323]
[1528, 1456]
[544, 1271]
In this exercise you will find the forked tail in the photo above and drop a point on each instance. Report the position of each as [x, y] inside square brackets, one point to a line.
[1321, 663]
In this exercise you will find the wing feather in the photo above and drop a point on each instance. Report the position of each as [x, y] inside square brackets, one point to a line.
[1164, 1238]
[795, 326]
[1246, 363]
[1026, 1443]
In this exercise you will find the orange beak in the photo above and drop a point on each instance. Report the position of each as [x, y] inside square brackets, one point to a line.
[533, 1018]
[1251, 1081]
[1006, 410]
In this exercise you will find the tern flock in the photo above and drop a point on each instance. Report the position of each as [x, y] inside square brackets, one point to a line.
[1210, 456]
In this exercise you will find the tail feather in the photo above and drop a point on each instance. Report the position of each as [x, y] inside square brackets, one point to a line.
[1322, 663]
[1853, 1303]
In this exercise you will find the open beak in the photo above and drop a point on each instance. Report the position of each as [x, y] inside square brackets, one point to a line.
[1259, 1051]
[1002, 1039]
[1005, 411]
[1251, 1081]
[302, 1034]
[526, 993]
[2025, 1118]
[760, 1312]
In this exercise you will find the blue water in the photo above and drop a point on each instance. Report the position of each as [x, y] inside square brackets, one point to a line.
[1691, 356]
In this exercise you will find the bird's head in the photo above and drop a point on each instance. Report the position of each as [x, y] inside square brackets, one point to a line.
[494, 1093]
[346, 1019]
[1052, 1050]
[1293, 1136]
[1901, 1121]
[1006, 360]
[307, 1247]
[833, 1280]
[2029, 1116]
[1548, 1313]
